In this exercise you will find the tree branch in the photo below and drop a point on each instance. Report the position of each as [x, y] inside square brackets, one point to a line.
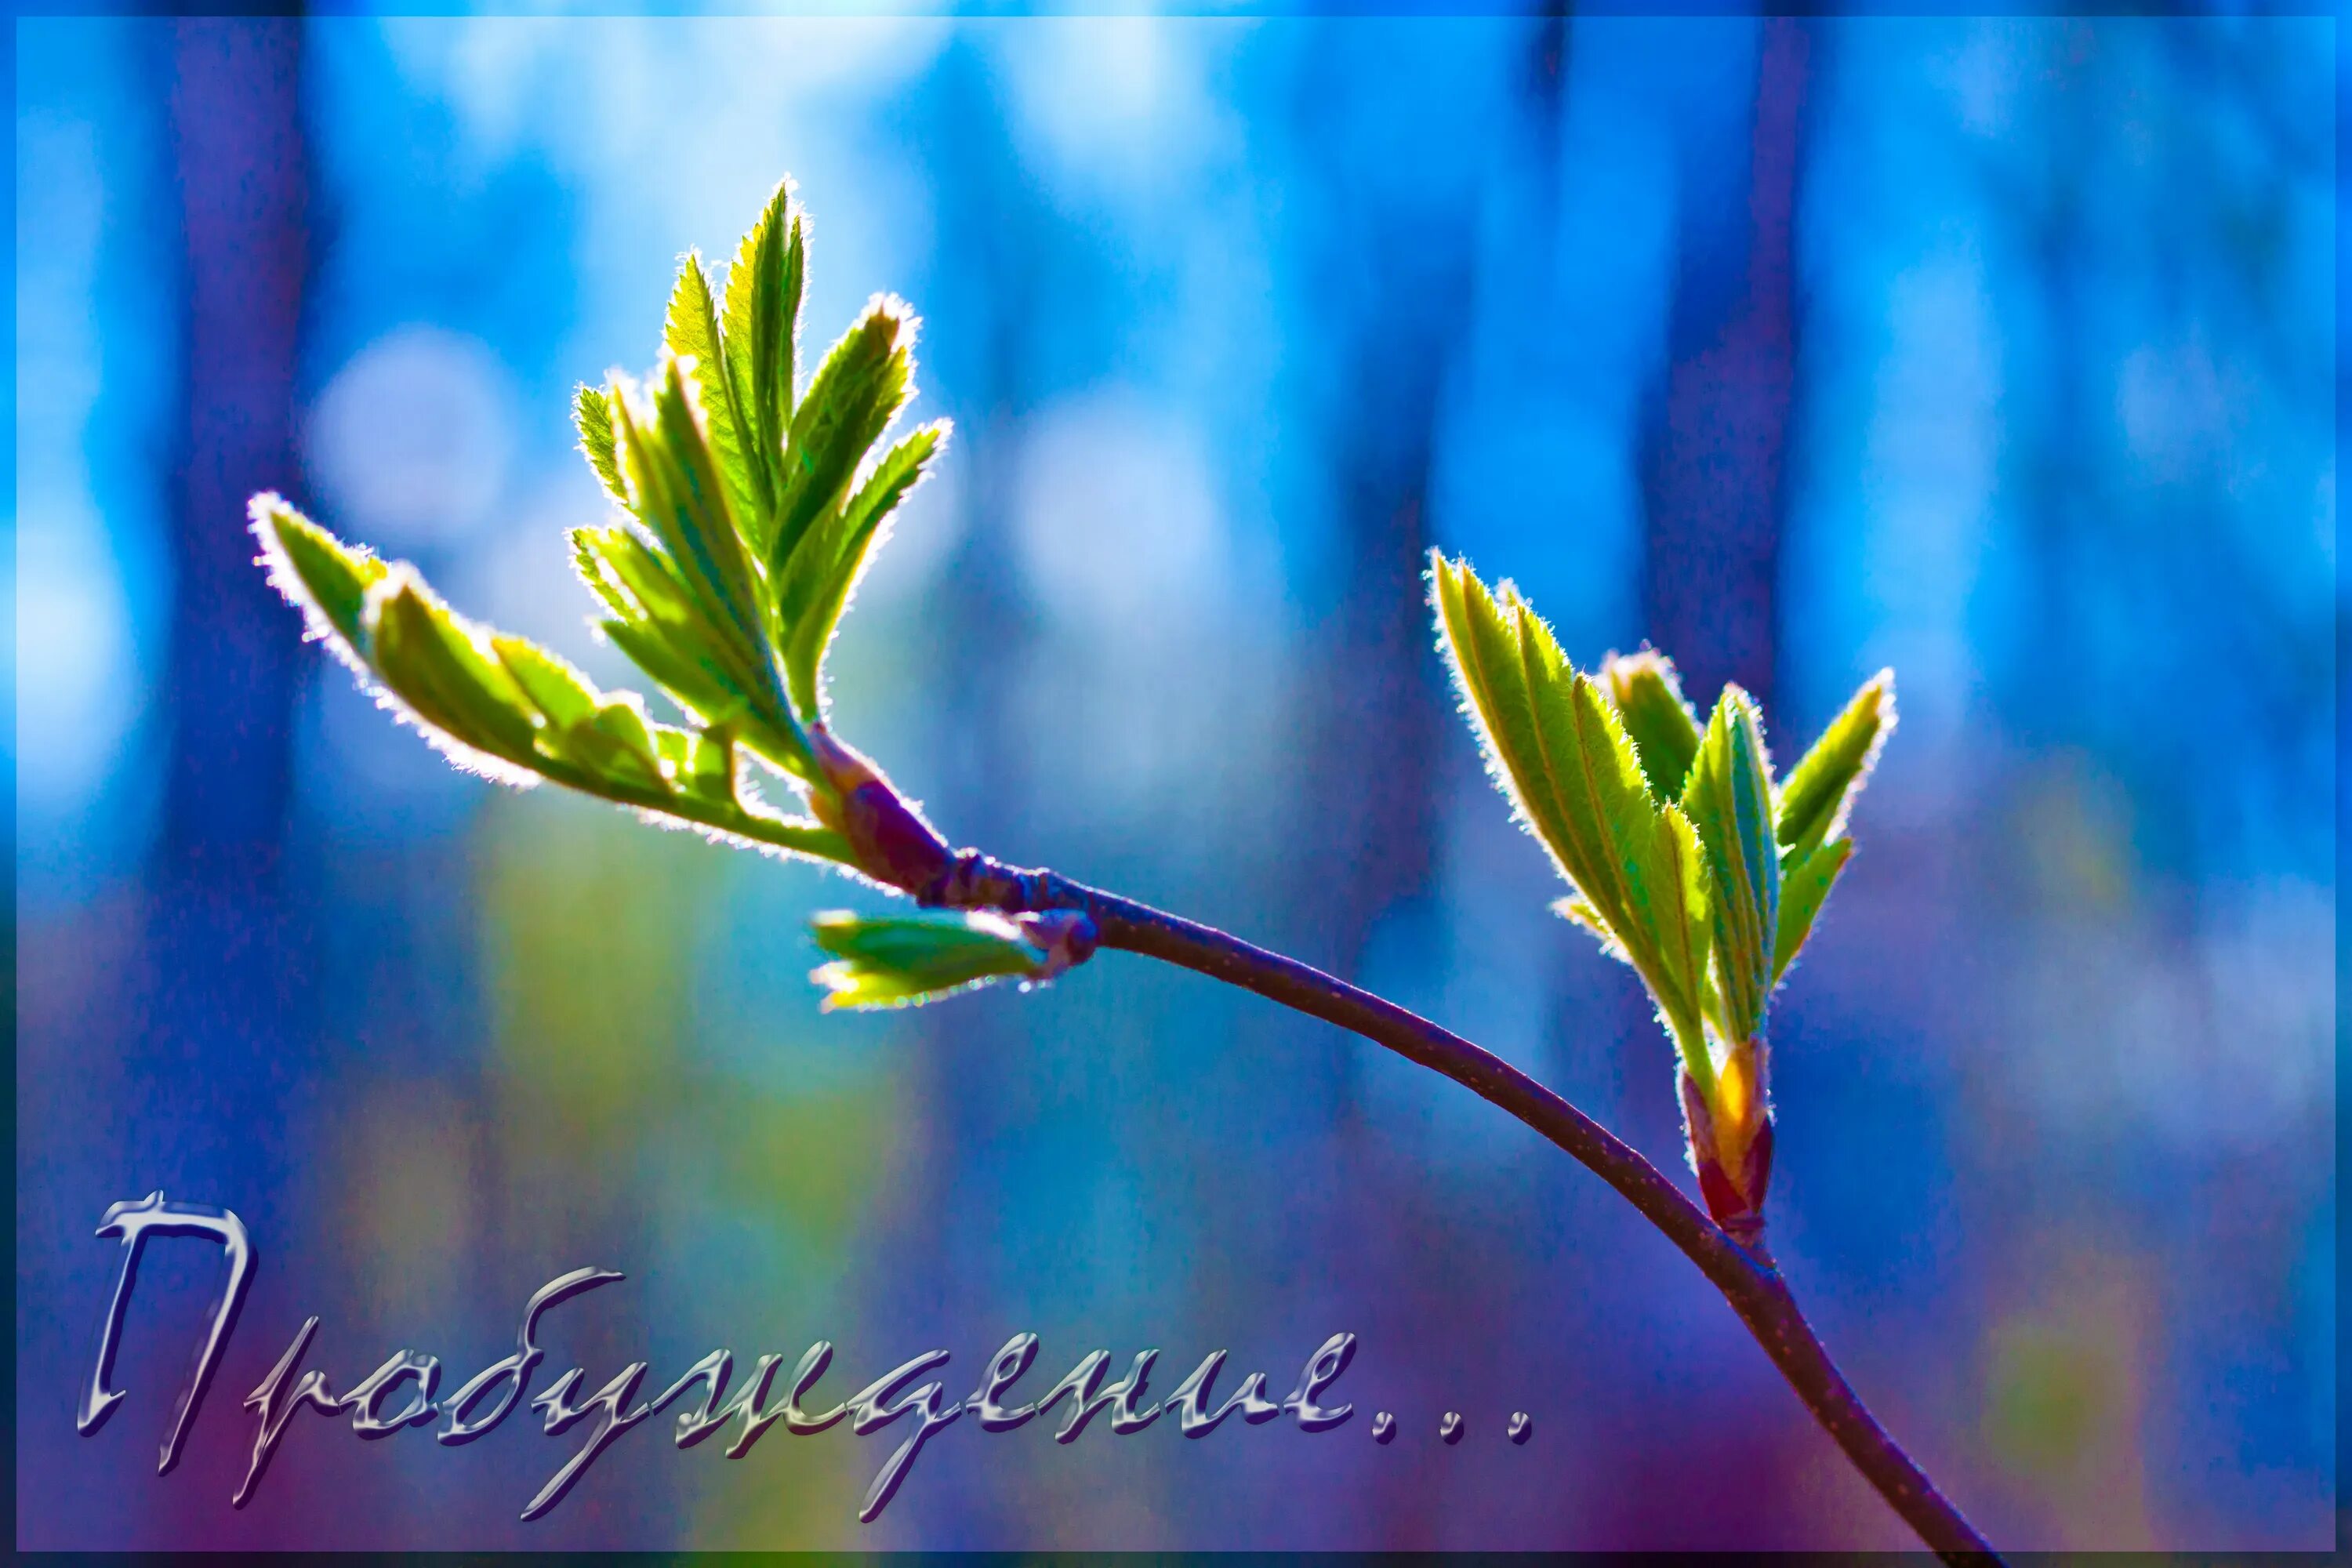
[1750, 1283]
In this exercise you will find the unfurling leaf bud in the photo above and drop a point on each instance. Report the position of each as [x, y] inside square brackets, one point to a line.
[904, 961]
[1730, 1139]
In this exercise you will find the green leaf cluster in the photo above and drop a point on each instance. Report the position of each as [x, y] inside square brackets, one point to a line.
[1686, 857]
[748, 512]
[1559, 748]
[510, 709]
[753, 512]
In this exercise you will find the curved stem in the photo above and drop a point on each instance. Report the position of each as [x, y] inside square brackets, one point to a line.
[1750, 1283]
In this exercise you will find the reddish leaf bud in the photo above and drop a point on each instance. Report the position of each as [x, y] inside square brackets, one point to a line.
[892, 844]
[1731, 1142]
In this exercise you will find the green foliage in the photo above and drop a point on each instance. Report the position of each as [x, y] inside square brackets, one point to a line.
[901, 960]
[762, 325]
[1812, 806]
[1665, 730]
[1820, 788]
[749, 510]
[591, 415]
[439, 666]
[692, 612]
[749, 514]
[851, 400]
[826, 568]
[316, 571]
[1685, 861]
[505, 707]
[1729, 798]
[1805, 885]
[690, 331]
[1558, 748]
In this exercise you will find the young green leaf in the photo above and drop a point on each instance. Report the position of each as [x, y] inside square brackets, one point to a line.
[701, 765]
[591, 415]
[616, 743]
[684, 504]
[825, 569]
[1729, 798]
[656, 622]
[634, 578]
[690, 331]
[1482, 651]
[326, 578]
[1555, 744]
[1819, 791]
[703, 635]
[604, 735]
[590, 549]
[854, 394]
[1805, 887]
[691, 677]
[439, 666]
[407, 645]
[907, 960]
[1665, 730]
[763, 319]
[508, 707]
[560, 692]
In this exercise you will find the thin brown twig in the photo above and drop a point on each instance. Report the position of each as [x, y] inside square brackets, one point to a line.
[1752, 1284]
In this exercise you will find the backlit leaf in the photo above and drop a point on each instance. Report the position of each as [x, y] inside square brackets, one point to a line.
[851, 400]
[693, 678]
[1805, 887]
[826, 568]
[690, 331]
[634, 580]
[763, 319]
[617, 742]
[1555, 744]
[327, 578]
[1729, 798]
[699, 590]
[591, 415]
[443, 669]
[560, 692]
[693, 519]
[1665, 730]
[1820, 790]
[701, 765]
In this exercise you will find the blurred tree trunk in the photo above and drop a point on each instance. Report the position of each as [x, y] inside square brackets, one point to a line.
[211, 1063]
[1715, 453]
[1372, 698]
[1367, 840]
[235, 116]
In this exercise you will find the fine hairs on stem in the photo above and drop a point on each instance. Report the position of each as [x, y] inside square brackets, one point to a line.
[748, 502]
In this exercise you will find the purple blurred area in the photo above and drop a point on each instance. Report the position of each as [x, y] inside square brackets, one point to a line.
[1998, 351]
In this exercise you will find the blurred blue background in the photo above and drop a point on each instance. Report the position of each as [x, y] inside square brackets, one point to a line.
[1998, 351]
